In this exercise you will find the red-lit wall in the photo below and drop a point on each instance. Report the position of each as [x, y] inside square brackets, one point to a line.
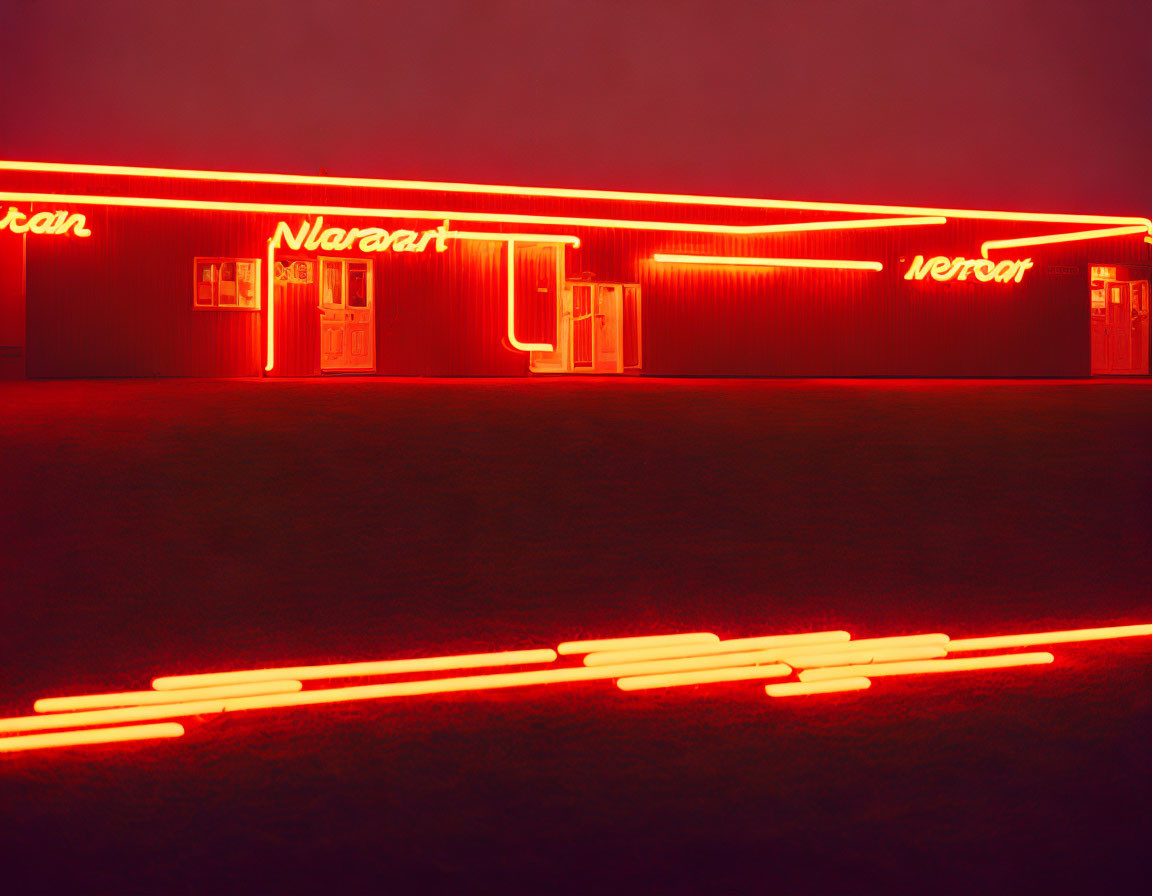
[119, 303]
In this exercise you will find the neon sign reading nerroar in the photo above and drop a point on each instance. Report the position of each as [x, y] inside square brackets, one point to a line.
[54, 223]
[943, 268]
[371, 239]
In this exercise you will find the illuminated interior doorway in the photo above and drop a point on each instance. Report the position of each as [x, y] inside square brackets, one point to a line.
[1120, 298]
[597, 330]
[347, 324]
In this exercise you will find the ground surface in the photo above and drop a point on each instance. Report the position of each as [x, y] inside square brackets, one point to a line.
[153, 527]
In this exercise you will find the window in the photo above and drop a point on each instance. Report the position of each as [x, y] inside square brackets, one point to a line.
[226, 283]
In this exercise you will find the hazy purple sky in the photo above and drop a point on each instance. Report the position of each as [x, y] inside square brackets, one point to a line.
[1037, 104]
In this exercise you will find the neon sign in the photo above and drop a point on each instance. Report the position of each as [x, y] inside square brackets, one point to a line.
[368, 239]
[942, 268]
[55, 223]
[821, 662]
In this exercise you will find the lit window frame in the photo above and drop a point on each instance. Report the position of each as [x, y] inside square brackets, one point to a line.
[216, 261]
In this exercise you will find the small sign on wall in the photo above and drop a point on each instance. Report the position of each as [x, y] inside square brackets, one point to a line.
[1063, 269]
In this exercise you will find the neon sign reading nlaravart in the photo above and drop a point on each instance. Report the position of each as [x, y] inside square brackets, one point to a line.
[370, 239]
[55, 223]
[941, 267]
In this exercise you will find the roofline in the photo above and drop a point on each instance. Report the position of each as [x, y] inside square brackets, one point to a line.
[558, 192]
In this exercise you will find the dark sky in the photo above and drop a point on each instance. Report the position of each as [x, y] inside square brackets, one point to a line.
[1036, 104]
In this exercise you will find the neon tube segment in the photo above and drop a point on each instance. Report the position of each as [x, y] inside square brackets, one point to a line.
[806, 641]
[271, 286]
[145, 698]
[832, 264]
[892, 654]
[558, 192]
[512, 340]
[922, 667]
[568, 648]
[1069, 636]
[704, 676]
[800, 688]
[360, 212]
[96, 736]
[988, 245]
[355, 670]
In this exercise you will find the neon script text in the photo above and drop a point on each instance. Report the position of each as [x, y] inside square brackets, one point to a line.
[55, 223]
[943, 268]
[371, 239]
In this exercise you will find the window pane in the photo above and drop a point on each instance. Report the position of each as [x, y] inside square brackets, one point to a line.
[332, 288]
[246, 283]
[357, 284]
[205, 284]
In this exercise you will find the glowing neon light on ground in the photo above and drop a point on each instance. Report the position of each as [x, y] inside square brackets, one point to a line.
[705, 676]
[1070, 636]
[556, 192]
[847, 657]
[357, 670]
[94, 736]
[924, 667]
[736, 260]
[801, 688]
[148, 698]
[709, 661]
[785, 646]
[567, 648]
[988, 245]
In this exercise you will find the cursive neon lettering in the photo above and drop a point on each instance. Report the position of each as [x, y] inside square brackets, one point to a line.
[942, 268]
[314, 235]
[55, 223]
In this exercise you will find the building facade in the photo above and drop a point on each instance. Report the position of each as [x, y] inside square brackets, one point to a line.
[110, 272]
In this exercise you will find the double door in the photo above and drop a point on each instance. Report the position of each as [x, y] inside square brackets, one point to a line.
[1120, 327]
[347, 308]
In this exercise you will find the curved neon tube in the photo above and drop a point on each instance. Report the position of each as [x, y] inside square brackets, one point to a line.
[512, 340]
[988, 245]
[558, 192]
[800, 688]
[704, 676]
[360, 212]
[834, 264]
[1033, 639]
[567, 648]
[148, 698]
[923, 667]
[806, 641]
[93, 736]
[355, 670]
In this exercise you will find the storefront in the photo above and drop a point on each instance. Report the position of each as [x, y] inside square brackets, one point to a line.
[109, 271]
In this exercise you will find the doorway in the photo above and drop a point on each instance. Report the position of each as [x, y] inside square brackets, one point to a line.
[1119, 321]
[597, 330]
[347, 323]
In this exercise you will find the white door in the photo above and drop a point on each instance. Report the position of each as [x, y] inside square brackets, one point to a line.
[347, 327]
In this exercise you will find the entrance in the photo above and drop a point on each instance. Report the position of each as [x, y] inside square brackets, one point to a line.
[347, 327]
[1119, 321]
[598, 330]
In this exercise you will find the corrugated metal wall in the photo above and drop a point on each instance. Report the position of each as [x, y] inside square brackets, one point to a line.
[119, 303]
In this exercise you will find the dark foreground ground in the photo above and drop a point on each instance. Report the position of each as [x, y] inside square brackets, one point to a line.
[164, 526]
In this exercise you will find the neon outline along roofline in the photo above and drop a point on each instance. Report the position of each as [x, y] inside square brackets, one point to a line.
[555, 192]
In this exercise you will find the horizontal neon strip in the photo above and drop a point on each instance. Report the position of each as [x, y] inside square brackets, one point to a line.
[441, 215]
[988, 245]
[805, 640]
[570, 647]
[705, 676]
[451, 685]
[556, 192]
[145, 698]
[573, 241]
[996, 642]
[923, 667]
[800, 688]
[786, 646]
[833, 264]
[842, 658]
[353, 670]
[95, 736]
